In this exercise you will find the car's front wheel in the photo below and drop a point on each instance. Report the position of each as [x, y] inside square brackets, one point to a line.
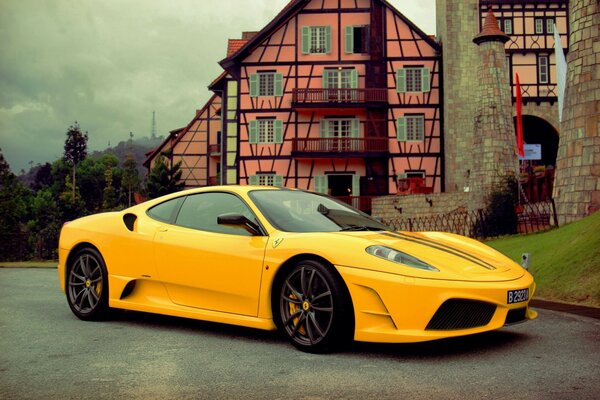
[87, 285]
[313, 308]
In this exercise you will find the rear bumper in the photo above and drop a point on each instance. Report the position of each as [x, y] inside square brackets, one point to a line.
[393, 308]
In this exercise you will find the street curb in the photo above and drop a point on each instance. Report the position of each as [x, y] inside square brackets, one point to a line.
[584, 311]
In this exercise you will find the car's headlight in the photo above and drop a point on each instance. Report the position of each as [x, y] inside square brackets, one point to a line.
[399, 257]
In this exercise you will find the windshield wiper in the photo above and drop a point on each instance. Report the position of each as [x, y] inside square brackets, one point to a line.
[357, 228]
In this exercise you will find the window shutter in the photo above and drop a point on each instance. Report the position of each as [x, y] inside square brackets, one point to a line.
[325, 80]
[355, 185]
[254, 85]
[306, 40]
[355, 128]
[425, 76]
[401, 80]
[253, 136]
[278, 180]
[278, 85]
[349, 40]
[321, 183]
[328, 39]
[354, 79]
[401, 129]
[324, 128]
[278, 130]
[253, 179]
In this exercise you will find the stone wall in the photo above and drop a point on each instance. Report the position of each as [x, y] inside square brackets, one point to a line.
[419, 205]
[577, 181]
[457, 24]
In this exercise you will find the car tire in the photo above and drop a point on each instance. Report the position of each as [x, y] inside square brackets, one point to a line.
[312, 307]
[87, 285]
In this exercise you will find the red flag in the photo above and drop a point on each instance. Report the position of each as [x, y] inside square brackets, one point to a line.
[520, 148]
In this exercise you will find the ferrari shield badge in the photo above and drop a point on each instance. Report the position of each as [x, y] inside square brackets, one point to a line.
[277, 242]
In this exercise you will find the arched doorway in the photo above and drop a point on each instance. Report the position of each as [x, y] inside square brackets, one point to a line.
[538, 131]
[537, 173]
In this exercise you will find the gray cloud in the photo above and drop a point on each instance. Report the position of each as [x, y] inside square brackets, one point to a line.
[108, 64]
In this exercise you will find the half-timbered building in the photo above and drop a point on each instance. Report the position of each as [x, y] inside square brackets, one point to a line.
[346, 97]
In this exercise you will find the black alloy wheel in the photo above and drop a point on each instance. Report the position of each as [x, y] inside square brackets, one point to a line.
[314, 308]
[87, 285]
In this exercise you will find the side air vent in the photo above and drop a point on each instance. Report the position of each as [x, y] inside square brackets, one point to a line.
[129, 220]
[457, 314]
[515, 316]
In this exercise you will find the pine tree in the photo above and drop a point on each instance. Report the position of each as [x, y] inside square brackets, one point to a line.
[163, 180]
[131, 176]
[75, 149]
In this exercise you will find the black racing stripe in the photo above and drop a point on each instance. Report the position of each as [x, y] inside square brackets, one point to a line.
[442, 247]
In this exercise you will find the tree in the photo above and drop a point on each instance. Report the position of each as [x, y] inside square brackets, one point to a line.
[75, 149]
[14, 200]
[131, 176]
[110, 196]
[162, 179]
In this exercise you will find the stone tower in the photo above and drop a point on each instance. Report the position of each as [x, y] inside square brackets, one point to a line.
[494, 146]
[577, 182]
[457, 23]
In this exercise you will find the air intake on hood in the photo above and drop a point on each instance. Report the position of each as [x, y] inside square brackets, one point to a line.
[461, 314]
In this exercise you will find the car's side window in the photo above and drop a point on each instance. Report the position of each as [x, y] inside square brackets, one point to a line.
[200, 211]
[165, 212]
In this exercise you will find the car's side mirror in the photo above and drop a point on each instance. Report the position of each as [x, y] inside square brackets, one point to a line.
[241, 221]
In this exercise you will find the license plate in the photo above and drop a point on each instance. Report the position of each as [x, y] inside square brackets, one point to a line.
[517, 296]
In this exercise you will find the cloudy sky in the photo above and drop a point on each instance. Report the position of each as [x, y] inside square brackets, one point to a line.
[109, 63]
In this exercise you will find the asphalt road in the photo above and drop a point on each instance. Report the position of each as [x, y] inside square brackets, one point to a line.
[45, 352]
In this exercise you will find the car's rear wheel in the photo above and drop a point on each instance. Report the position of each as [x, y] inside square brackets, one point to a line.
[313, 308]
[87, 285]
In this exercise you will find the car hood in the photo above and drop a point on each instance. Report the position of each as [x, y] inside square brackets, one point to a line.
[456, 257]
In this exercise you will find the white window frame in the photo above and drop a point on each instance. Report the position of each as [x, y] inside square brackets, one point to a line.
[266, 130]
[266, 84]
[539, 26]
[414, 79]
[543, 69]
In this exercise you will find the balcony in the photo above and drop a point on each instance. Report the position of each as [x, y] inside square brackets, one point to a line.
[338, 97]
[326, 147]
[214, 149]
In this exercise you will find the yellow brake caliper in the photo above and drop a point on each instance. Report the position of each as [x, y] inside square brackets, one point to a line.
[293, 309]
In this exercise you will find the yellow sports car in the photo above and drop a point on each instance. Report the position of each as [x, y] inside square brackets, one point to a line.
[273, 258]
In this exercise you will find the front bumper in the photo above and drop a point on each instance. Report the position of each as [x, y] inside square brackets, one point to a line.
[393, 308]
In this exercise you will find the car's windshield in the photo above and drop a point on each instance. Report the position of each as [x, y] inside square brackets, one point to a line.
[299, 211]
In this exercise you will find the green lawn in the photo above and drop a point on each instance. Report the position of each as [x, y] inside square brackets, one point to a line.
[564, 261]
[28, 264]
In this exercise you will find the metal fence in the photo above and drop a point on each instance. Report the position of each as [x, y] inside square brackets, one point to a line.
[527, 218]
[25, 246]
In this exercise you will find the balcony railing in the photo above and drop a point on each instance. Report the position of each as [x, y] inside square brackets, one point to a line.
[338, 95]
[339, 145]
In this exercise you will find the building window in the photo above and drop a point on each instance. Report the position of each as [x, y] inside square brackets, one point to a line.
[550, 25]
[316, 39]
[356, 39]
[505, 24]
[410, 128]
[412, 79]
[543, 69]
[268, 83]
[339, 131]
[266, 180]
[266, 131]
[544, 26]
[539, 26]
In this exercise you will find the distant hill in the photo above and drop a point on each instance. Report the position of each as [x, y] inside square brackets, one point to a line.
[140, 147]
